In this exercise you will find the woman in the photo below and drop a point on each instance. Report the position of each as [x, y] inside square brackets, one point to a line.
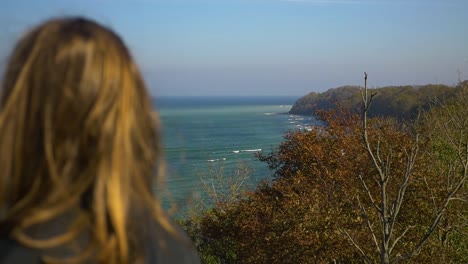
[79, 148]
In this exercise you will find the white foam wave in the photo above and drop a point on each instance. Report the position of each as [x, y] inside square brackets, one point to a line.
[247, 150]
[251, 150]
[215, 160]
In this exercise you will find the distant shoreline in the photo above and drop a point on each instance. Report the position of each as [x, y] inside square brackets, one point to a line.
[182, 101]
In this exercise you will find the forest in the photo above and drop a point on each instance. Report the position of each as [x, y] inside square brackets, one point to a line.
[402, 102]
[384, 181]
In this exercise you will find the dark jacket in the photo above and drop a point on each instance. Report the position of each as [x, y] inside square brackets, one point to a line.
[160, 246]
[12, 252]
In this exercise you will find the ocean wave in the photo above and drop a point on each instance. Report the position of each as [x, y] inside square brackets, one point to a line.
[247, 150]
[252, 150]
[215, 160]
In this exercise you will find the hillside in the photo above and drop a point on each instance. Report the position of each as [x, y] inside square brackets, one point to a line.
[396, 101]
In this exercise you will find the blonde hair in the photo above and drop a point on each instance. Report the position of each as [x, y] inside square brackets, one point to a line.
[77, 133]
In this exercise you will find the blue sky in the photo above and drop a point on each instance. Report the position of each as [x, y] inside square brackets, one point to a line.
[271, 47]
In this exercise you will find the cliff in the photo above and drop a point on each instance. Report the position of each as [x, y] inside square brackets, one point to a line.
[396, 101]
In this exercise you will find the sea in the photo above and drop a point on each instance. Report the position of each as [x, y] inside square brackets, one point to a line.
[207, 136]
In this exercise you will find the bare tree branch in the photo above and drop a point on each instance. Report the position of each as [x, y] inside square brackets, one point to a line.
[395, 242]
[366, 258]
[369, 193]
[369, 224]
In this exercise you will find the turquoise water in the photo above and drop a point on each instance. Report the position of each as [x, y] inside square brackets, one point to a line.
[204, 132]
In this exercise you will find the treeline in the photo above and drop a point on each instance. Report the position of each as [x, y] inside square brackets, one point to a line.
[401, 102]
[359, 190]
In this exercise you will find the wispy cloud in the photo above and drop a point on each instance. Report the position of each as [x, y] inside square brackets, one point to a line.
[450, 3]
[330, 2]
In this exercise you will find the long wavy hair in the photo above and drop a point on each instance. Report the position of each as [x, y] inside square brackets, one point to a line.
[77, 134]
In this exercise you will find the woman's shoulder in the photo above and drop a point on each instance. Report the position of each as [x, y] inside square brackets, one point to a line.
[13, 252]
[163, 240]
[166, 242]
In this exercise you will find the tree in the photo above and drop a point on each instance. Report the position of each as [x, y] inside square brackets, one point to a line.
[394, 191]
[387, 201]
[446, 127]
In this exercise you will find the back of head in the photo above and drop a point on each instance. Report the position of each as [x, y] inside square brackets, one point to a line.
[76, 133]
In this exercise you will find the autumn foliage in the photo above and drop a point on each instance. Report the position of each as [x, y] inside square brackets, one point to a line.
[322, 205]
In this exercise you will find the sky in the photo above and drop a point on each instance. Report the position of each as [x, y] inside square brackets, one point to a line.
[270, 47]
